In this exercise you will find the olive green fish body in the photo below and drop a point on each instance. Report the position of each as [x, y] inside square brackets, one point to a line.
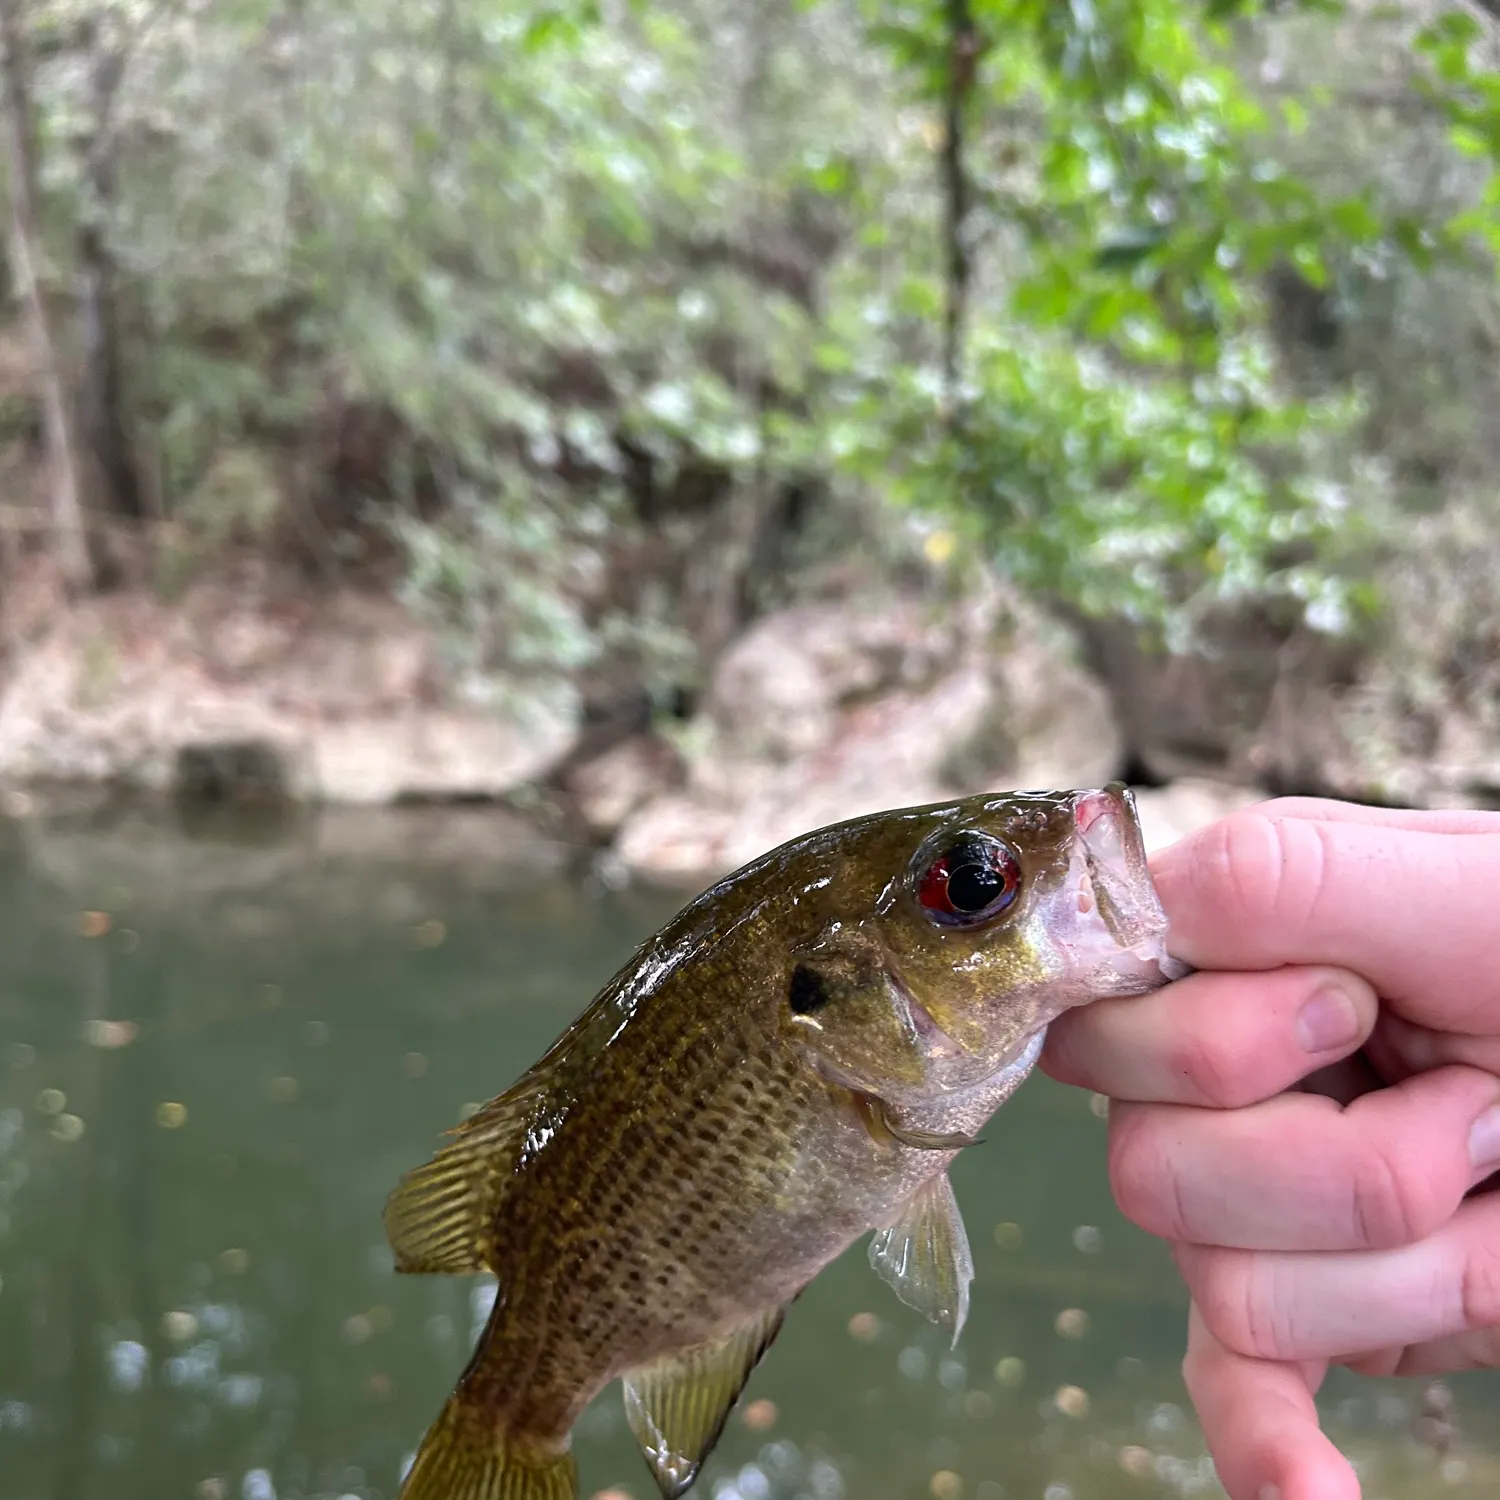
[787, 1065]
[719, 1175]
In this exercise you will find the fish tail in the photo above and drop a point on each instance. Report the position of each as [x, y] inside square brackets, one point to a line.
[465, 1456]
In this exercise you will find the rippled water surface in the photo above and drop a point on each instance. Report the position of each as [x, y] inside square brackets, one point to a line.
[219, 1047]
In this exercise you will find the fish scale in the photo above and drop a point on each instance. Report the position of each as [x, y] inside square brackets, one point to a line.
[666, 1205]
[791, 1062]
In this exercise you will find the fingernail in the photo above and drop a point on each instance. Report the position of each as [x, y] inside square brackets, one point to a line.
[1268, 1492]
[1484, 1140]
[1329, 1020]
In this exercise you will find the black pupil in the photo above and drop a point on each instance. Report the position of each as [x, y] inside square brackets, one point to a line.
[973, 880]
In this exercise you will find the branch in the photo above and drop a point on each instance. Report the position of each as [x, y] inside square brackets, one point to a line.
[106, 74]
[108, 65]
[963, 62]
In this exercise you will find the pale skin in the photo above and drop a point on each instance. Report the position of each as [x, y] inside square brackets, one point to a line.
[1309, 1120]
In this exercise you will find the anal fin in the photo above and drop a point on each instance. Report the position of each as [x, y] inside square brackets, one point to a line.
[677, 1406]
[925, 1255]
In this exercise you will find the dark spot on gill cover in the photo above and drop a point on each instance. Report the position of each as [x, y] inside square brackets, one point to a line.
[807, 992]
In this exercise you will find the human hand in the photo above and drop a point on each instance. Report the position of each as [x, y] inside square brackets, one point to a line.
[1332, 1221]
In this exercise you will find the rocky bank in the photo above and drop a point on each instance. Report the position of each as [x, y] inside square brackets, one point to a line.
[820, 711]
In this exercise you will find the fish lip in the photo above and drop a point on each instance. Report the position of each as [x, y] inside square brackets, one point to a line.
[1115, 798]
[1109, 828]
[1115, 874]
[1112, 880]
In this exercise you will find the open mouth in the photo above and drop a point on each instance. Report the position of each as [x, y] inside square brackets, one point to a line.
[1114, 880]
[1114, 861]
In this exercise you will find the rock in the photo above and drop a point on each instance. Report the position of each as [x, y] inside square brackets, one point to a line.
[676, 840]
[1404, 711]
[327, 703]
[1056, 716]
[892, 752]
[776, 691]
[1190, 715]
[823, 713]
[608, 788]
[231, 771]
[428, 756]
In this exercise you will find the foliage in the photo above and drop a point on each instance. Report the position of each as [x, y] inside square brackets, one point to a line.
[1122, 435]
[1152, 500]
[543, 289]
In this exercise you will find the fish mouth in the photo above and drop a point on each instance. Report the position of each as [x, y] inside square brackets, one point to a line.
[1118, 933]
[935, 1043]
[1102, 925]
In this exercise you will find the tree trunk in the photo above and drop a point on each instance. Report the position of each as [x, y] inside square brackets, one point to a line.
[102, 395]
[731, 535]
[963, 41]
[69, 538]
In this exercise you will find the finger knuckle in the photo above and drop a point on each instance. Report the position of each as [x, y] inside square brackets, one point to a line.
[1246, 850]
[1210, 1069]
[1242, 1303]
[1393, 1204]
[1272, 865]
[1480, 1291]
[1141, 1174]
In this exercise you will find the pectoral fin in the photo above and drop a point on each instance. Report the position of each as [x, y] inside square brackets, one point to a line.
[677, 1407]
[925, 1255]
[875, 1113]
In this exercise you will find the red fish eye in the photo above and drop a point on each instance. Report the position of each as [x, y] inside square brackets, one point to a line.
[973, 878]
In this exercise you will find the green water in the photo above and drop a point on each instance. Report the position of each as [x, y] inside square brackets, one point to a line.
[208, 1086]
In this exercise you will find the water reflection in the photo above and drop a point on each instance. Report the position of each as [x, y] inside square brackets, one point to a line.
[216, 1056]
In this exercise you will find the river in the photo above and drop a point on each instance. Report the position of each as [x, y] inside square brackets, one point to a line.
[223, 1039]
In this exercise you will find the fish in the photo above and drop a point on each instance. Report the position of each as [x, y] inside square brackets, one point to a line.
[793, 1061]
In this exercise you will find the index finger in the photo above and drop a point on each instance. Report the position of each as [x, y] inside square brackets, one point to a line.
[1407, 901]
[1416, 819]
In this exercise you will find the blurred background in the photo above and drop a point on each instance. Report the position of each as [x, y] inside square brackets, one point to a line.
[473, 470]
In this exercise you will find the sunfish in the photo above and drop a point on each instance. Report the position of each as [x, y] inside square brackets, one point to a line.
[790, 1063]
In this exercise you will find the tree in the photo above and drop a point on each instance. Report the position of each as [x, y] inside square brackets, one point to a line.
[105, 46]
[70, 539]
[575, 321]
[1126, 438]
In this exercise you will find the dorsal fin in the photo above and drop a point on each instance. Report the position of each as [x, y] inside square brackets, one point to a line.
[925, 1256]
[677, 1406]
[441, 1216]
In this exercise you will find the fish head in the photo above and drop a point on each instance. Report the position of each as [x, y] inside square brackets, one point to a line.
[978, 922]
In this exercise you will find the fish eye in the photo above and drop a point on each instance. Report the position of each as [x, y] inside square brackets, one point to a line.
[972, 878]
